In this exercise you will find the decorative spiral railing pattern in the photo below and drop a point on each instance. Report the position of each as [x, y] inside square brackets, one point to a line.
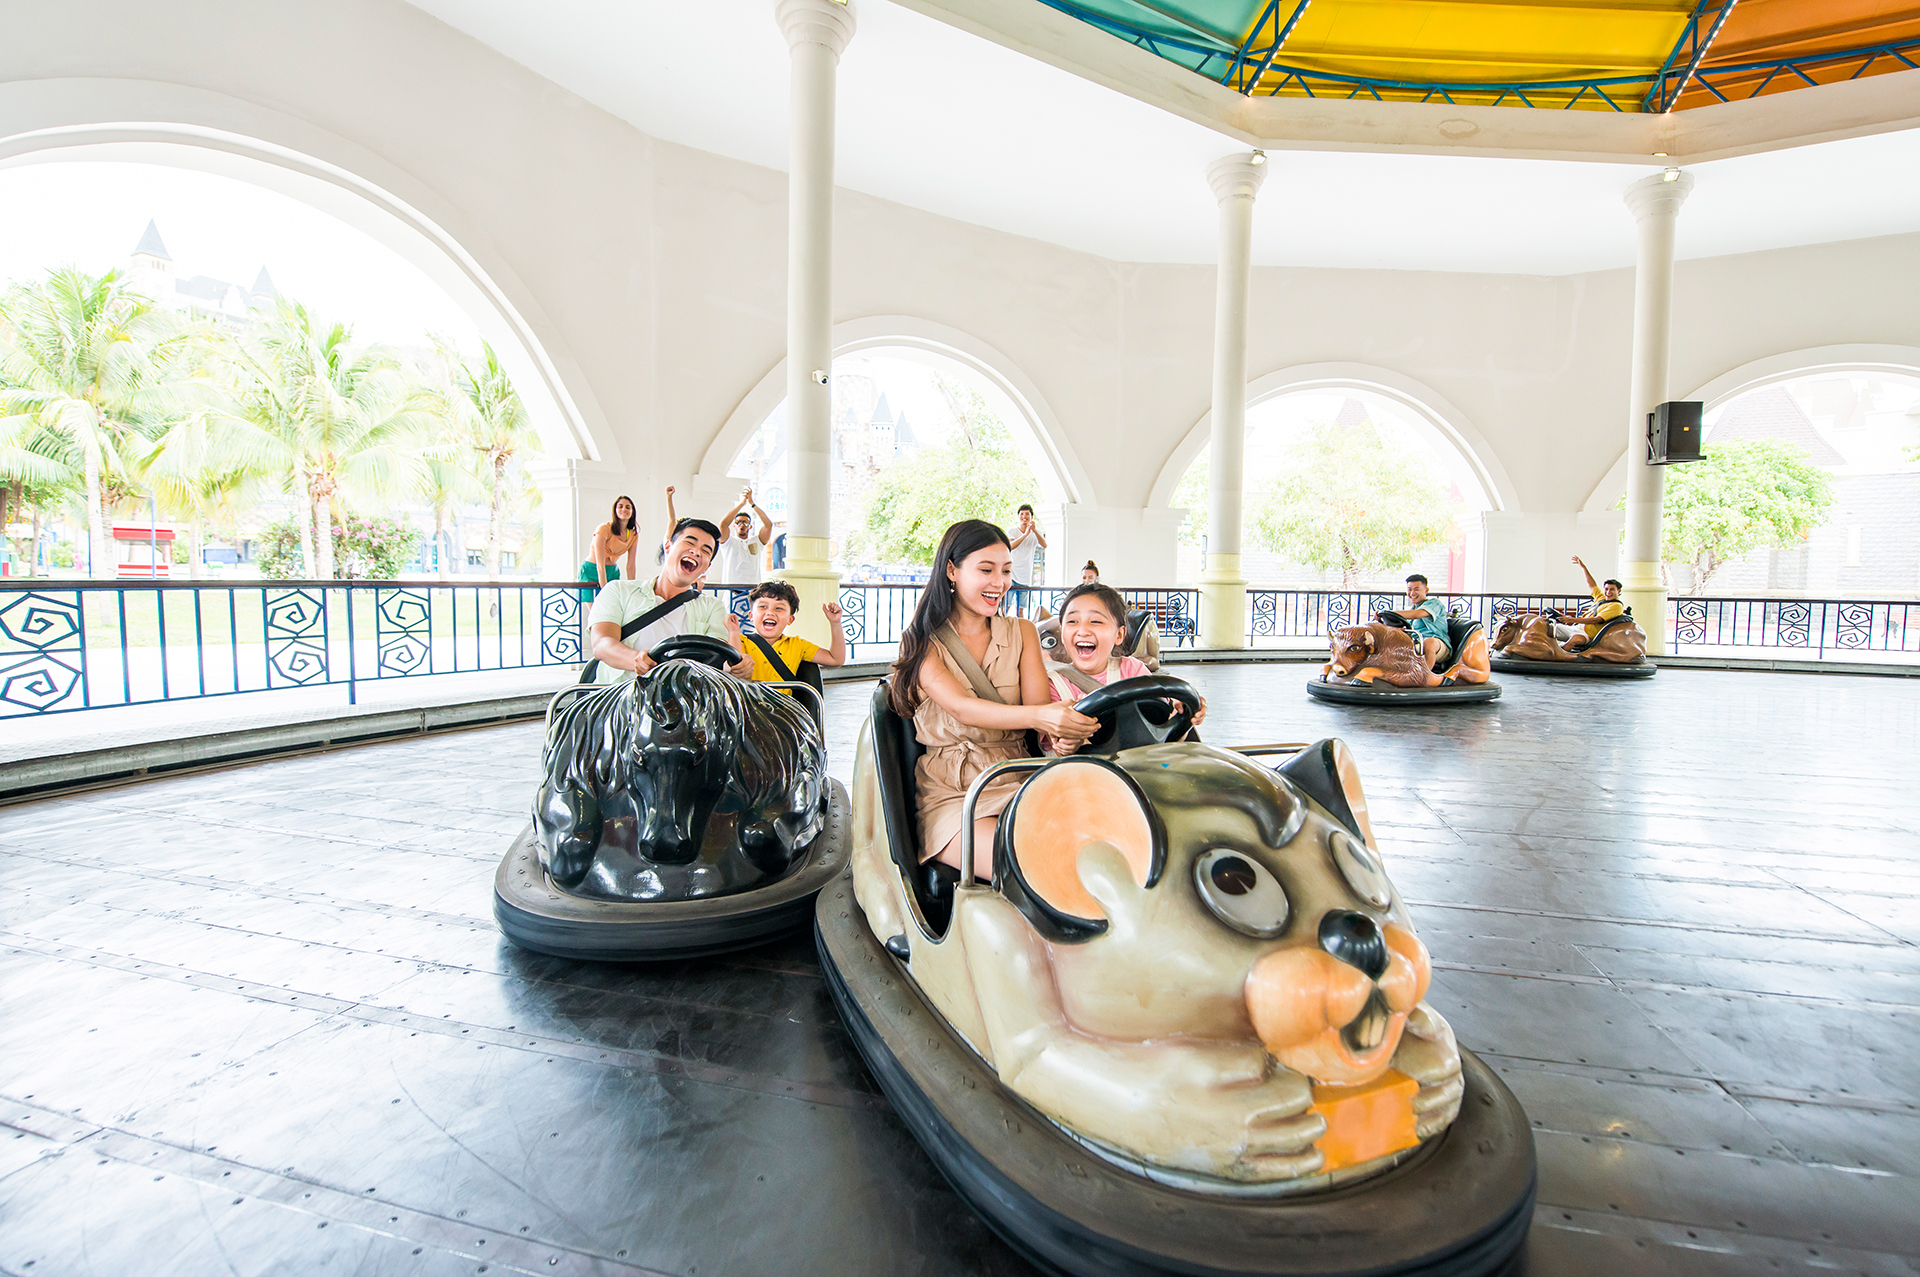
[71, 646]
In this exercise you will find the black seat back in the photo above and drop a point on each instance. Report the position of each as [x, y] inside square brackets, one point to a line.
[1459, 630]
[896, 749]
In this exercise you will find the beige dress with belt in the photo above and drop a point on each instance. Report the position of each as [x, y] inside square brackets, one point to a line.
[956, 753]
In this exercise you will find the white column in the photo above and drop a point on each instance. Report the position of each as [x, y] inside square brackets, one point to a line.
[816, 31]
[1655, 202]
[1223, 590]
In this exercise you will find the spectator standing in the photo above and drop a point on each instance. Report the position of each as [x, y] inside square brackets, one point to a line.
[1027, 538]
[737, 560]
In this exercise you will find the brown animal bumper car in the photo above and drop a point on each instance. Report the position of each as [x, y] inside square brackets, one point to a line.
[1527, 644]
[1183, 1028]
[680, 813]
[1380, 664]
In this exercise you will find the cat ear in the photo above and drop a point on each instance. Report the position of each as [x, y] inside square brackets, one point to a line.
[1058, 812]
[1325, 772]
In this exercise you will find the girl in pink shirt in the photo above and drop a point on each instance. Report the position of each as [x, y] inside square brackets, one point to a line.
[1093, 619]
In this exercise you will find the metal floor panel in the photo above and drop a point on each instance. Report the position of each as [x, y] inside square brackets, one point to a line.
[259, 1020]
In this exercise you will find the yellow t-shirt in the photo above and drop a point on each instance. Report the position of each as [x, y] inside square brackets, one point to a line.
[792, 649]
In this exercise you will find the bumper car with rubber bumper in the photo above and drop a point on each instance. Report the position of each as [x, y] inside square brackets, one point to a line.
[1528, 644]
[1183, 1028]
[679, 813]
[1380, 664]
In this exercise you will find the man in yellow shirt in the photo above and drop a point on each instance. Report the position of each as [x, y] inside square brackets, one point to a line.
[1606, 606]
[771, 606]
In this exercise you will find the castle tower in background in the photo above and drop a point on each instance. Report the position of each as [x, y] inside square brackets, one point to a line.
[150, 269]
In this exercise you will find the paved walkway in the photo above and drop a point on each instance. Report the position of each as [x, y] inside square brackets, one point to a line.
[260, 1019]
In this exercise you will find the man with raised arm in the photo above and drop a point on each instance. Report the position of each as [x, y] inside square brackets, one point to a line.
[737, 559]
[1606, 606]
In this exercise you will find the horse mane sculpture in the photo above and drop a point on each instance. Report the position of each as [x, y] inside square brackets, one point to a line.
[685, 783]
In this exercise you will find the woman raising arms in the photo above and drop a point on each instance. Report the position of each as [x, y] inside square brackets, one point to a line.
[958, 640]
[618, 536]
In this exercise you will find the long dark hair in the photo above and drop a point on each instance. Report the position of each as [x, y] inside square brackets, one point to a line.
[965, 538]
[633, 520]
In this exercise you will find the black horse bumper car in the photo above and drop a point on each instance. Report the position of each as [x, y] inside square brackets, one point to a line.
[1057, 1115]
[681, 813]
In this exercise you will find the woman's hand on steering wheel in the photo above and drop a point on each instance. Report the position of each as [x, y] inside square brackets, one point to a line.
[1066, 725]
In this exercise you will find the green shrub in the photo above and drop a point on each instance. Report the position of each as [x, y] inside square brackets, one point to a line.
[375, 548]
[61, 554]
[277, 552]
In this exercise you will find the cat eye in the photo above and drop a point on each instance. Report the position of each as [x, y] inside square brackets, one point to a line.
[1361, 867]
[1241, 893]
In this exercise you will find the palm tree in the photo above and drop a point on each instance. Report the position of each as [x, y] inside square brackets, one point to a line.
[447, 485]
[350, 423]
[89, 361]
[495, 425]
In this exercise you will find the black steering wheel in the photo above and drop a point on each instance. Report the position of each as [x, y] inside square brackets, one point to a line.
[1394, 619]
[1125, 713]
[694, 647]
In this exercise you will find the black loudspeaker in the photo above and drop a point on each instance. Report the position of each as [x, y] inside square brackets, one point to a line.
[1673, 432]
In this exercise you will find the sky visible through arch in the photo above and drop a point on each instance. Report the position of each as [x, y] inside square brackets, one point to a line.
[91, 214]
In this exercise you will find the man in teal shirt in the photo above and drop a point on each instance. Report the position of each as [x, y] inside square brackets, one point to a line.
[1426, 617]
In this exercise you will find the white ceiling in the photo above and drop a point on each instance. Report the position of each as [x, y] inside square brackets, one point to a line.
[941, 120]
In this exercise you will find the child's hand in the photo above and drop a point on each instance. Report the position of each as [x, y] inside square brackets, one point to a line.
[733, 629]
[1200, 715]
[832, 610]
[669, 489]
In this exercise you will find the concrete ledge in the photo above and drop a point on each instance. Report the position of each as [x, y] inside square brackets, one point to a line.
[30, 775]
[1778, 666]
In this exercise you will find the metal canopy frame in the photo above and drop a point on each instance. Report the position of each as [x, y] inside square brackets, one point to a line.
[1254, 68]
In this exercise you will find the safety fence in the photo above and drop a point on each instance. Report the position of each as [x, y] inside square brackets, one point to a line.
[66, 646]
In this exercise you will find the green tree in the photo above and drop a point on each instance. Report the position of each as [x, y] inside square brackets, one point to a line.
[483, 414]
[1347, 498]
[350, 422]
[91, 363]
[1740, 496]
[975, 474]
[1191, 495]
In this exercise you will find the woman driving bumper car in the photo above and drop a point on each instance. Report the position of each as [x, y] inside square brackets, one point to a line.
[1182, 1028]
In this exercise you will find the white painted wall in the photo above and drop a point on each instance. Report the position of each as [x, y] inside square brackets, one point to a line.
[650, 276]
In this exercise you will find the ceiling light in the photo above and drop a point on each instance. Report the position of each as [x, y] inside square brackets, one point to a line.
[1670, 175]
[1659, 155]
[1259, 157]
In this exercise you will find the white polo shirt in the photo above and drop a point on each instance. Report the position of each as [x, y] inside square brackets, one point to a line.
[1023, 548]
[623, 601]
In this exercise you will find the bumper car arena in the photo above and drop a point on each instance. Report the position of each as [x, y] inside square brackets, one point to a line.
[1541, 985]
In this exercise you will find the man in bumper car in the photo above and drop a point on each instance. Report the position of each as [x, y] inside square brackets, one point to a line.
[1426, 616]
[668, 598]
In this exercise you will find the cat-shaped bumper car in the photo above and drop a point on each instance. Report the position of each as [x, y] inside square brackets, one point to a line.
[1526, 643]
[679, 813]
[1380, 664]
[1183, 1030]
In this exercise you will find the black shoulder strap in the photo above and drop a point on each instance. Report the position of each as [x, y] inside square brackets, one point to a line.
[773, 658]
[641, 622]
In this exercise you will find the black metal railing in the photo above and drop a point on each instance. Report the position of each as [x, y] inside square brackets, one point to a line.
[1818, 627]
[67, 646]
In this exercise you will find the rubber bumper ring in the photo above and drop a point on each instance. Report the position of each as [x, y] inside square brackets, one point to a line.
[538, 916]
[1576, 668]
[1358, 694]
[1460, 1208]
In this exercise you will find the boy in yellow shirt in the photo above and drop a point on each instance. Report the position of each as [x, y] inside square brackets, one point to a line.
[771, 605]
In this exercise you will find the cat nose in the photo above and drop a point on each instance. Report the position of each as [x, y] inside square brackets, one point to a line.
[1355, 939]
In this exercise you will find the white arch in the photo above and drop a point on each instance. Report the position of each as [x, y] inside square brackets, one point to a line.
[1035, 429]
[1430, 412]
[1896, 360]
[137, 121]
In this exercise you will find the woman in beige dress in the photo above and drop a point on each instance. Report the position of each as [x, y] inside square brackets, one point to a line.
[964, 733]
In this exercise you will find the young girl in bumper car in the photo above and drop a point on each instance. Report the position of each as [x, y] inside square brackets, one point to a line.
[1093, 620]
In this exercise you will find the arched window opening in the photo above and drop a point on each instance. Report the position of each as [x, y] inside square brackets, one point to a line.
[1758, 524]
[1345, 487]
[918, 441]
[226, 284]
